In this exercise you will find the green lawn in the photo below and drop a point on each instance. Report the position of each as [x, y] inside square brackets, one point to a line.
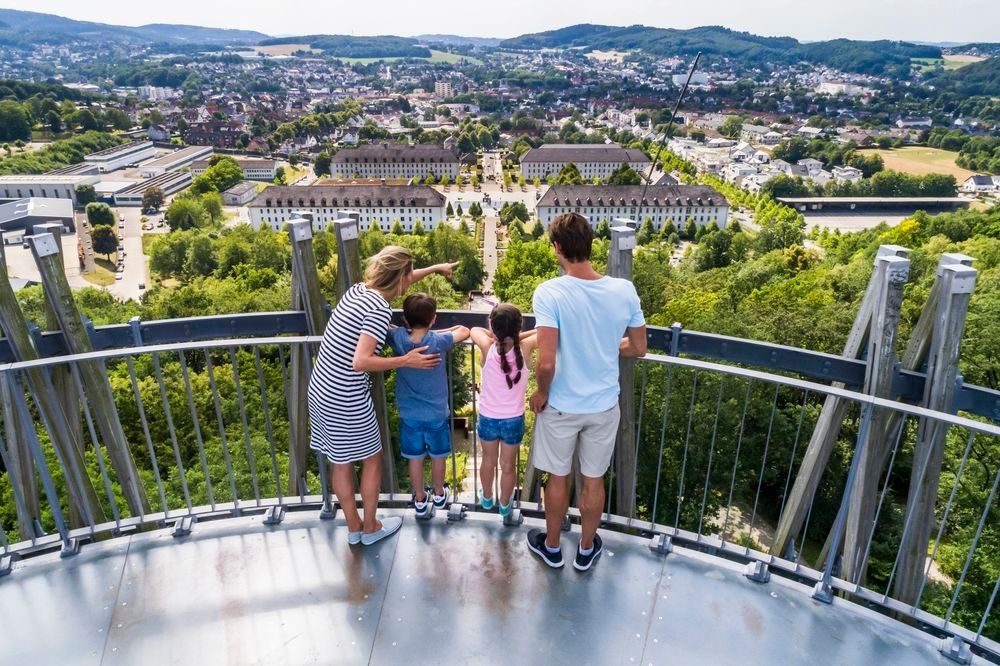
[104, 275]
[949, 62]
[921, 160]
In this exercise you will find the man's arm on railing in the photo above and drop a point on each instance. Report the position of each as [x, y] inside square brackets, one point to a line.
[545, 369]
[634, 344]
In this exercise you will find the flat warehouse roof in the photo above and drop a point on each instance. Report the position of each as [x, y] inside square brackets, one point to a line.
[189, 153]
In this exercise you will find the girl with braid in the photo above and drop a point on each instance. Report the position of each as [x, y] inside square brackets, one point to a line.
[505, 352]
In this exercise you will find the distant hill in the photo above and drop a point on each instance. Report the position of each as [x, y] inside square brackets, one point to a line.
[458, 40]
[855, 56]
[25, 28]
[978, 78]
[346, 46]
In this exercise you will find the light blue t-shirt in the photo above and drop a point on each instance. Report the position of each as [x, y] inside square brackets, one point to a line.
[422, 395]
[592, 317]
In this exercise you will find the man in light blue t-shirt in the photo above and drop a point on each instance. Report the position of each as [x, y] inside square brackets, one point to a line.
[585, 322]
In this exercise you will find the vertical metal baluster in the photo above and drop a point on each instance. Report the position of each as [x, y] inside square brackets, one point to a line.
[805, 532]
[475, 433]
[795, 446]
[69, 546]
[222, 431]
[972, 548]
[284, 391]
[763, 463]
[265, 405]
[109, 493]
[391, 466]
[130, 362]
[711, 454]
[170, 427]
[885, 488]
[246, 427]
[328, 509]
[687, 443]
[989, 608]
[197, 428]
[638, 438]
[6, 544]
[663, 436]
[944, 517]
[451, 423]
[736, 459]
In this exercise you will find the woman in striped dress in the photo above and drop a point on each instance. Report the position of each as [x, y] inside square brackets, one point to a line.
[342, 416]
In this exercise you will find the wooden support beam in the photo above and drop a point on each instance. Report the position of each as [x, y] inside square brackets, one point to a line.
[879, 375]
[83, 499]
[957, 284]
[620, 266]
[306, 296]
[827, 428]
[92, 375]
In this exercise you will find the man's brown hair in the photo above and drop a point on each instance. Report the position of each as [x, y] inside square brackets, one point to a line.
[419, 310]
[574, 235]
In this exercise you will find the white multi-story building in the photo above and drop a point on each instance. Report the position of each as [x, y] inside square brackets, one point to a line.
[253, 169]
[847, 174]
[175, 161]
[169, 183]
[600, 160]
[45, 186]
[442, 89]
[383, 205]
[673, 204]
[390, 160]
[116, 157]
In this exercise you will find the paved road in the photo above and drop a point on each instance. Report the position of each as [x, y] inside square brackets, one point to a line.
[490, 250]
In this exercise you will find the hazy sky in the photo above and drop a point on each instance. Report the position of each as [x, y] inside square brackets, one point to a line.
[923, 20]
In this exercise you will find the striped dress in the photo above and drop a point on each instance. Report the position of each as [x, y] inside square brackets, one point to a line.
[341, 414]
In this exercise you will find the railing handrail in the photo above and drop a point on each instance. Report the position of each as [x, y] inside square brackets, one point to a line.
[908, 385]
[735, 371]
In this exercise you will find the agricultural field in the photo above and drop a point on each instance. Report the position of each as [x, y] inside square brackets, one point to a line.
[949, 62]
[920, 160]
[283, 49]
[436, 56]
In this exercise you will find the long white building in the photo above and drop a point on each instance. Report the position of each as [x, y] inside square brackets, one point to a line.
[170, 183]
[600, 160]
[253, 169]
[175, 161]
[390, 160]
[674, 204]
[46, 186]
[116, 157]
[380, 204]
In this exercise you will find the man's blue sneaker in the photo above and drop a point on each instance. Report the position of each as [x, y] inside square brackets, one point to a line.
[484, 501]
[536, 544]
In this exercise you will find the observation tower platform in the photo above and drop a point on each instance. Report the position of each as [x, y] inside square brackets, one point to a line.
[236, 591]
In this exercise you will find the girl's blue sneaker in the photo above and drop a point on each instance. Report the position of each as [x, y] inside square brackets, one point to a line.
[505, 508]
[484, 501]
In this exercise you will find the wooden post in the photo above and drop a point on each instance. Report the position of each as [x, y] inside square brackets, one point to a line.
[620, 266]
[20, 469]
[306, 296]
[957, 284]
[827, 428]
[879, 376]
[92, 375]
[83, 499]
[348, 229]
[62, 379]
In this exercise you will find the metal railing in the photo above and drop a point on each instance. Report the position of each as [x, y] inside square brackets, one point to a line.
[716, 450]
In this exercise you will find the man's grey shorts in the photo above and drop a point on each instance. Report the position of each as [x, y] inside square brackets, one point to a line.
[558, 435]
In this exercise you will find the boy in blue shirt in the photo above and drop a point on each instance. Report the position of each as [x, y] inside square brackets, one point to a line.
[422, 399]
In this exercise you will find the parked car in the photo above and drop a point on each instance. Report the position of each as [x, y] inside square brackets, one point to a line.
[142, 286]
[119, 277]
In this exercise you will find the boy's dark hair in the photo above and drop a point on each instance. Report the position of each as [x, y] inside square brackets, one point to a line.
[505, 322]
[419, 310]
[574, 235]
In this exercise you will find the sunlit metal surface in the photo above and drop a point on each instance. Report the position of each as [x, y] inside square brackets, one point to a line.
[237, 592]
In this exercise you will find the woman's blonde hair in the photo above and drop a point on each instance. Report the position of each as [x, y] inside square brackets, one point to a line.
[387, 269]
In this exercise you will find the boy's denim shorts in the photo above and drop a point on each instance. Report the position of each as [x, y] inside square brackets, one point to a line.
[420, 438]
[509, 431]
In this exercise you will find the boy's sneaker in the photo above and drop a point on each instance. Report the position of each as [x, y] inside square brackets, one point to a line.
[536, 544]
[441, 501]
[422, 509]
[484, 501]
[584, 562]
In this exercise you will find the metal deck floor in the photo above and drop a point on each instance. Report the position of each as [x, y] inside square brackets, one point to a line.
[238, 592]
